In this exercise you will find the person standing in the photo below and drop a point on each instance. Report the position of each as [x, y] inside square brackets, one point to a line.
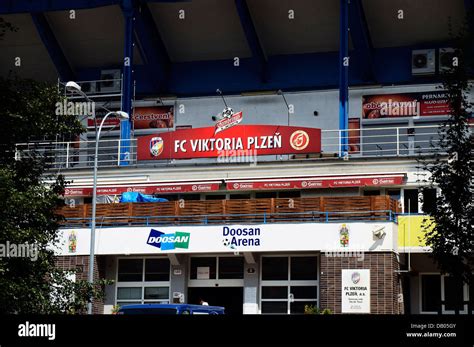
[202, 302]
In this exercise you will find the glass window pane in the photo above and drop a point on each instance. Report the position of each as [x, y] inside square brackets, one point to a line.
[429, 199]
[130, 270]
[157, 270]
[274, 268]
[304, 268]
[123, 303]
[275, 292]
[453, 294]
[275, 307]
[157, 293]
[304, 292]
[231, 267]
[298, 306]
[209, 262]
[471, 296]
[430, 293]
[411, 200]
[129, 293]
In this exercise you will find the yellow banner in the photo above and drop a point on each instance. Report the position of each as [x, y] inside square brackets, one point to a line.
[411, 232]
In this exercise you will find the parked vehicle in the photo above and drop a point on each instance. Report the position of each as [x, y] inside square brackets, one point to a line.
[170, 309]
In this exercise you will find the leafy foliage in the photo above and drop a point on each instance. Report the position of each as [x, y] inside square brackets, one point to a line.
[28, 205]
[452, 216]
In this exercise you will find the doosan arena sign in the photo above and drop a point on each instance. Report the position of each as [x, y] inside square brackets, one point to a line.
[238, 140]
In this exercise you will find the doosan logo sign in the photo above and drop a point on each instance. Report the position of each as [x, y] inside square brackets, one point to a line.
[168, 241]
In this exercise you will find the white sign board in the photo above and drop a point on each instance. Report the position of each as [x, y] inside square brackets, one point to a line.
[203, 272]
[325, 237]
[356, 291]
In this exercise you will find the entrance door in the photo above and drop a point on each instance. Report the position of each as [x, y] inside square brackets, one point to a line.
[218, 280]
[229, 297]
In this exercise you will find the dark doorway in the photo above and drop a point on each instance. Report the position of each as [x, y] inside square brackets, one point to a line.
[232, 298]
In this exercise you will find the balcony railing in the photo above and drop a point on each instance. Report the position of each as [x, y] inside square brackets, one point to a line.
[274, 210]
[67, 155]
[367, 142]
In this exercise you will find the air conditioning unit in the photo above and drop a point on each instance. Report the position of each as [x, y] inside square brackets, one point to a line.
[446, 59]
[88, 87]
[110, 81]
[423, 62]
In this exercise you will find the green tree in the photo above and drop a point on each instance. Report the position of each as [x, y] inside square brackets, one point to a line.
[452, 215]
[28, 205]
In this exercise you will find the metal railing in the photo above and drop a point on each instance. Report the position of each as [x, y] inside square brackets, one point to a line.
[78, 154]
[383, 141]
[366, 142]
[256, 218]
[105, 88]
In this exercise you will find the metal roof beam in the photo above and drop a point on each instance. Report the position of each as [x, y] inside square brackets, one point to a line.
[361, 40]
[252, 37]
[28, 6]
[151, 46]
[54, 49]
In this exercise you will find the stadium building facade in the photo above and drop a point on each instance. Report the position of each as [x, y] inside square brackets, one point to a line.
[249, 173]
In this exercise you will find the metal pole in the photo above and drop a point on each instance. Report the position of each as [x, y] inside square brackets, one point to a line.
[344, 74]
[125, 125]
[90, 277]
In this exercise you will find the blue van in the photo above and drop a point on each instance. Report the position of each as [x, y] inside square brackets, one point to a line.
[170, 309]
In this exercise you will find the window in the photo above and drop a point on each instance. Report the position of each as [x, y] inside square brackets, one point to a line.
[304, 268]
[274, 307]
[443, 293]
[190, 196]
[371, 192]
[289, 194]
[429, 199]
[274, 268]
[217, 268]
[156, 293]
[274, 292]
[265, 195]
[157, 270]
[430, 293]
[129, 293]
[394, 194]
[145, 280]
[239, 196]
[453, 295]
[410, 200]
[130, 270]
[215, 197]
[231, 267]
[205, 265]
[288, 284]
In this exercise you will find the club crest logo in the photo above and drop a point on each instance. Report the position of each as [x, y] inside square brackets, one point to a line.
[355, 277]
[344, 235]
[156, 146]
[299, 140]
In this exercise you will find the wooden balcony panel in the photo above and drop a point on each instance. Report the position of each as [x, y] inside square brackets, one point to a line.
[241, 211]
[216, 208]
[225, 211]
[284, 207]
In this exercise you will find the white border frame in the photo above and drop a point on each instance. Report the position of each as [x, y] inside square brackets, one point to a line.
[142, 284]
[214, 282]
[289, 283]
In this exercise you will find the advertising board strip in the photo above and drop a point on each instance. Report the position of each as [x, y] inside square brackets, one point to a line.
[405, 105]
[238, 140]
[316, 182]
[170, 188]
